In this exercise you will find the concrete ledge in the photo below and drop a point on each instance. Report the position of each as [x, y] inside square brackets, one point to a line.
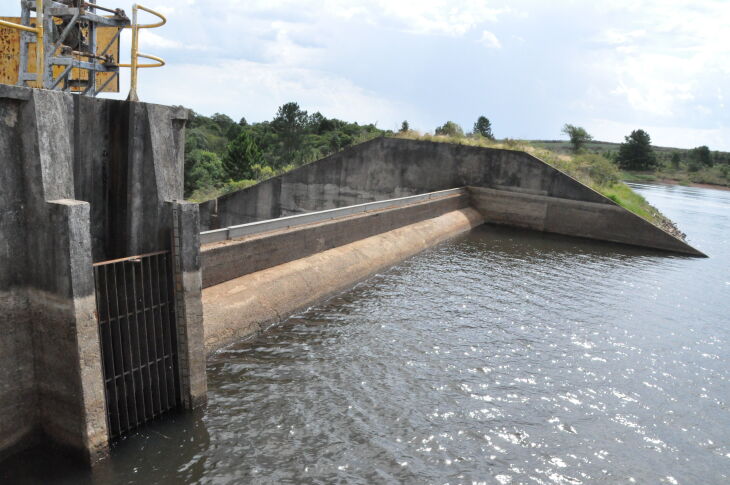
[246, 305]
[604, 221]
[14, 92]
[227, 260]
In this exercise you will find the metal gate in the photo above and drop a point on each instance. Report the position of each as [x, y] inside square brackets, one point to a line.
[136, 311]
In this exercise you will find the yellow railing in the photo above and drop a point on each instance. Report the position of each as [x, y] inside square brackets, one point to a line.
[135, 65]
[38, 31]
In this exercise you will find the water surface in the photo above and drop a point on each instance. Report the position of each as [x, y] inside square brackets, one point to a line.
[501, 356]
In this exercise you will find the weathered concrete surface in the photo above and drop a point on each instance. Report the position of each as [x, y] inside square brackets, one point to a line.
[603, 222]
[227, 260]
[189, 305]
[53, 386]
[388, 167]
[128, 161]
[18, 415]
[246, 305]
[69, 381]
[124, 161]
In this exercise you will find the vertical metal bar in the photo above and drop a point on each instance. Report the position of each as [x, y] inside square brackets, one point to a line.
[134, 341]
[24, 41]
[151, 356]
[135, 52]
[111, 375]
[118, 352]
[166, 324]
[149, 390]
[102, 346]
[39, 51]
[92, 47]
[161, 334]
[154, 336]
[126, 343]
[170, 327]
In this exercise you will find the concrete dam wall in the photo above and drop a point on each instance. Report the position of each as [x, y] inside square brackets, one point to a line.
[509, 187]
[254, 281]
[99, 255]
[83, 180]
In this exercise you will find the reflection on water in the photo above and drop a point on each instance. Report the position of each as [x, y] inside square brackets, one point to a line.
[501, 356]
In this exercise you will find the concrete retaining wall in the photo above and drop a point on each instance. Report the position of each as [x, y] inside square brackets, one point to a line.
[82, 180]
[604, 222]
[385, 168]
[248, 304]
[230, 259]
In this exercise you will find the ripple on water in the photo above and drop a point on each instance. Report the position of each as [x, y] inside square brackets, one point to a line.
[501, 356]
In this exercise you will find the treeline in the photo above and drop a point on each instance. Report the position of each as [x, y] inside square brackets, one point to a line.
[636, 154]
[222, 155]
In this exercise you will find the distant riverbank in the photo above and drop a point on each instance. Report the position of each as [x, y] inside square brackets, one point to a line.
[660, 178]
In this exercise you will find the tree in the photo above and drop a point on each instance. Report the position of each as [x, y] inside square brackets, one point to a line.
[636, 152]
[203, 169]
[578, 136]
[404, 127]
[675, 160]
[241, 154]
[483, 127]
[290, 124]
[224, 122]
[450, 129]
[701, 155]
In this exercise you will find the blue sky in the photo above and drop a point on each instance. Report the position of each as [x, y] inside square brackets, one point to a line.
[530, 66]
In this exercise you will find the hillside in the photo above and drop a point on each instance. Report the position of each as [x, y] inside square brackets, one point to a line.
[686, 171]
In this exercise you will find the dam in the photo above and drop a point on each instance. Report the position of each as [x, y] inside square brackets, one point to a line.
[115, 292]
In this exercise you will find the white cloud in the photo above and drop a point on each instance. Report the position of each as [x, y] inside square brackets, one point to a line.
[662, 59]
[147, 38]
[490, 40]
[255, 90]
[661, 135]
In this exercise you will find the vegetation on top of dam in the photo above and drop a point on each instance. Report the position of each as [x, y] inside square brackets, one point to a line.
[223, 155]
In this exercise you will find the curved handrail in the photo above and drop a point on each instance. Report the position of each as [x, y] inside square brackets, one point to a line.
[135, 65]
[160, 61]
[163, 19]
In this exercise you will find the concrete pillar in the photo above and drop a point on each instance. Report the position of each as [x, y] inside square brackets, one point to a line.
[69, 380]
[189, 304]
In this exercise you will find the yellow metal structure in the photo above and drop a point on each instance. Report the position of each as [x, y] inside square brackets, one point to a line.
[10, 56]
[37, 30]
[10, 32]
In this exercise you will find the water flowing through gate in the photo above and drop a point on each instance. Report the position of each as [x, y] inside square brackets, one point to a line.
[135, 302]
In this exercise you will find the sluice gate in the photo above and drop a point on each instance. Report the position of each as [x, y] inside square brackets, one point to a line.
[135, 303]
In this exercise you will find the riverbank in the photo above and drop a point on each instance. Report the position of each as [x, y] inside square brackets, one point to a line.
[664, 179]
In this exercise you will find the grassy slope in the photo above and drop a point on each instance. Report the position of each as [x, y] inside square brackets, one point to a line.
[682, 175]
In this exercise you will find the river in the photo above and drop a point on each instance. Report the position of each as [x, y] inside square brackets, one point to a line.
[501, 356]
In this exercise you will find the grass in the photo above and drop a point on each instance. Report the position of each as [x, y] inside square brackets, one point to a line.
[628, 199]
[684, 174]
[204, 194]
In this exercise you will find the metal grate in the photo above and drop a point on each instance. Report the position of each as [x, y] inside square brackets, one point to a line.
[136, 310]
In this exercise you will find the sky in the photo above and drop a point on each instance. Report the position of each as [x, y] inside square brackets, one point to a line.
[529, 66]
